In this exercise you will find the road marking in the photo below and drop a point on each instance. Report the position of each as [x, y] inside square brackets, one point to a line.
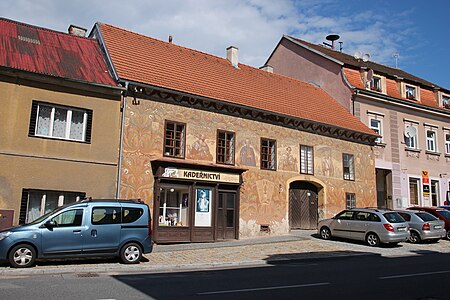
[265, 288]
[416, 274]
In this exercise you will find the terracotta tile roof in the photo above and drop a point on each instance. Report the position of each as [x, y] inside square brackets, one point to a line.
[392, 88]
[149, 61]
[354, 78]
[427, 98]
[39, 50]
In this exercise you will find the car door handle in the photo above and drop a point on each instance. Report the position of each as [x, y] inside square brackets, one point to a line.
[94, 233]
[77, 231]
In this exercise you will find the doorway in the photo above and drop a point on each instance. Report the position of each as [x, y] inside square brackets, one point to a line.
[303, 205]
[226, 216]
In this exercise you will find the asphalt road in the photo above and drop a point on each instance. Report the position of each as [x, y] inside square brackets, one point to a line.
[422, 277]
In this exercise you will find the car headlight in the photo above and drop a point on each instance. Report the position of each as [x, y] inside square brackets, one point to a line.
[4, 235]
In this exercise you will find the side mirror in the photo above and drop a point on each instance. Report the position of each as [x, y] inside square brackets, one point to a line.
[50, 224]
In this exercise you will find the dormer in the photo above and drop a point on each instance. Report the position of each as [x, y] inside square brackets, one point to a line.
[375, 82]
[410, 91]
[444, 100]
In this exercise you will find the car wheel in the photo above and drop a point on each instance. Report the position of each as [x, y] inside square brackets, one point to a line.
[414, 237]
[372, 239]
[22, 256]
[325, 233]
[131, 253]
[448, 235]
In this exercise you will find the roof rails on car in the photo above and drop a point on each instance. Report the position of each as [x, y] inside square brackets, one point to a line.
[89, 199]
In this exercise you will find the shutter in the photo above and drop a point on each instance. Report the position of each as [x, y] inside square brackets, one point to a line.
[88, 127]
[23, 206]
[33, 118]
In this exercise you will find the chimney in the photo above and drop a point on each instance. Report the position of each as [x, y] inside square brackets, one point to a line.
[170, 39]
[267, 68]
[232, 55]
[78, 31]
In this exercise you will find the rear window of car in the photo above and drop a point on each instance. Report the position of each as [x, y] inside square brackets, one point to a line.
[393, 217]
[445, 214]
[426, 217]
[131, 214]
[405, 216]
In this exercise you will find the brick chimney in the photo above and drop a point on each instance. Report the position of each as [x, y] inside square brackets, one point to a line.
[232, 55]
[76, 30]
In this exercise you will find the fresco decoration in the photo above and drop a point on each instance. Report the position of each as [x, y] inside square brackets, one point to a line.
[247, 156]
[264, 196]
[287, 161]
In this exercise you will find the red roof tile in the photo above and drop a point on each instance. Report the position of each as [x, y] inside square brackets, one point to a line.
[38, 50]
[154, 62]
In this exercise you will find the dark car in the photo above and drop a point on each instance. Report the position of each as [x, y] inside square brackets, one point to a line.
[438, 212]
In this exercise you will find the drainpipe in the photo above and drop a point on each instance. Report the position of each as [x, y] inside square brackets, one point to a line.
[122, 127]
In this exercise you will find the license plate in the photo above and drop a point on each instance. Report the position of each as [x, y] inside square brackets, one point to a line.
[437, 227]
[401, 229]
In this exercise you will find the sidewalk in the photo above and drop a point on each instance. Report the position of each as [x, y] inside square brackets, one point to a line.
[298, 245]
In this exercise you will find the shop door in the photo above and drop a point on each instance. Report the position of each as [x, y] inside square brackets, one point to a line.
[303, 206]
[226, 216]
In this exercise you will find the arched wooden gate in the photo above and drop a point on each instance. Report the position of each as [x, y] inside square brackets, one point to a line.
[303, 205]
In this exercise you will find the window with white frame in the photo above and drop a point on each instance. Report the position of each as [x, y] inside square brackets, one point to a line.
[410, 92]
[349, 166]
[36, 203]
[414, 190]
[350, 200]
[60, 122]
[375, 84]
[446, 101]
[410, 134]
[447, 143]
[431, 140]
[375, 123]
[306, 159]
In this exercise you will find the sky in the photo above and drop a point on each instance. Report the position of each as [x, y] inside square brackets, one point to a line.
[418, 31]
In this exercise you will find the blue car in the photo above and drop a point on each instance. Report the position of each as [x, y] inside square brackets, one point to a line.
[89, 228]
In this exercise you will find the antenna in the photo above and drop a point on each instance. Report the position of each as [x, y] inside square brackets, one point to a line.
[410, 131]
[366, 57]
[396, 55]
[332, 38]
[357, 55]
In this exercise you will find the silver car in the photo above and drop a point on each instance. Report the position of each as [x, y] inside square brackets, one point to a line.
[423, 226]
[374, 226]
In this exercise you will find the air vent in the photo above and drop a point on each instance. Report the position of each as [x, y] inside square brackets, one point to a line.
[265, 228]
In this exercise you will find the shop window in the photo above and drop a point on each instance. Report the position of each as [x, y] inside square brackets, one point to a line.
[431, 141]
[414, 191]
[349, 166]
[225, 147]
[306, 159]
[174, 139]
[60, 122]
[410, 92]
[203, 207]
[350, 200]
[268, 154]
[434, 192]
[375, 84]
[174, 206]
[36, 203]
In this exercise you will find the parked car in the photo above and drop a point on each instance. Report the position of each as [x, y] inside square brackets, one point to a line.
[374, 226]
[440, 213]
[89, 228]
[423, 226]
[447, 207]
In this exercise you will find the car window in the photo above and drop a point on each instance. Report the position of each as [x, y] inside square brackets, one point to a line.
[69, 218]
[105, 215]
[445, 214]
[393, 217]
[345, 215]
[405, 216]
[131, 214]
[426, 216]
[362, 216]
[373, 218]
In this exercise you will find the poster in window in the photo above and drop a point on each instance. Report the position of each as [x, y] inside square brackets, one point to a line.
[203, 207]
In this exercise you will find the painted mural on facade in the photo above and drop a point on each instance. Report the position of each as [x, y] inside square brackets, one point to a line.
[264, 194]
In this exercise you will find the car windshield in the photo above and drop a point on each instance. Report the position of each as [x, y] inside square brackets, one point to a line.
[426, 217]
[43, 217]
[393, 217]
[445, 214]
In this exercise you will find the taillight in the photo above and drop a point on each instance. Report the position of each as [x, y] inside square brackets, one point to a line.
[149, 223]
[389, 227]
[426, 226]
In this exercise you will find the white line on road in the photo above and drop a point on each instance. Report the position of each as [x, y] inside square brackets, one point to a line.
[416, 274]
[265, 288]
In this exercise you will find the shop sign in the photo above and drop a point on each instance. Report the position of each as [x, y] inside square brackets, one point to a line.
[171, 172]
[425, 183]
[425, 178]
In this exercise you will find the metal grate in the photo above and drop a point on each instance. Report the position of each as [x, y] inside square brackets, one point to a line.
[87, 275]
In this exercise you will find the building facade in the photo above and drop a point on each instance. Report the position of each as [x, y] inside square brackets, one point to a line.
[411, 115]
[60, 122]
[220, 150]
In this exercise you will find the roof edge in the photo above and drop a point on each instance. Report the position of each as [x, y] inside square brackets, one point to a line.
[289, 38]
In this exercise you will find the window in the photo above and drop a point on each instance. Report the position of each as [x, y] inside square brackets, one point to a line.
[131, 214]
[70, 218]
[410, 92]
[105, 215]
[405, 216]
[446, 101]
[174, 139]
[345, 215]
[306, 159]
[225, 147]
[447, 143]
[431, 141]
[349, 166]
[435, 192]
[414, 191]
[268, 154]
[36, 203]
[375, 84]
[174, 203]
[375, 125]
[350, 200]
[60, 122]
[411, 135]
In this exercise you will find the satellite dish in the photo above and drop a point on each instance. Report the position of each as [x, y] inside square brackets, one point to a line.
[366, 57]
[410, 131]
[357, 55]
[369, 75]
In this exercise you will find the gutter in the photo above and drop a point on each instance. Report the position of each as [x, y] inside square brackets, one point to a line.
[122, 129]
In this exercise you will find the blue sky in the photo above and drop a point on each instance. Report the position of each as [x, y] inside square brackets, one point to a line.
[419, 31]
